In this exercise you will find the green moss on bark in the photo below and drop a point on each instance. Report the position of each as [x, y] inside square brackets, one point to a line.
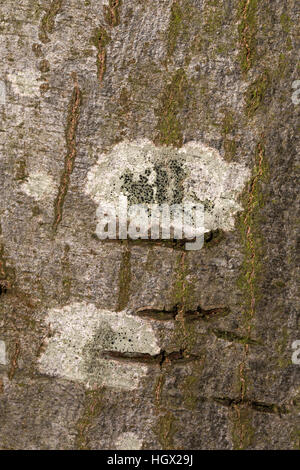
[256, 93]
[124, 280]
[100, 39]
[92, 407]
[169, 126]
[247, 15]
[165, 430]
[243, 431]
[112, 12]
[174, 27]
[48, 21]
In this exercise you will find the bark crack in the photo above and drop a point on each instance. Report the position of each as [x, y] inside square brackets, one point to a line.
[72, 123]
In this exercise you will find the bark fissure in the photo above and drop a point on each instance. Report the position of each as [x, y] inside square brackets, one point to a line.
[72, 123]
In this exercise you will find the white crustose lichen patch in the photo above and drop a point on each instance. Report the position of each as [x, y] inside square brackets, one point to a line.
[40, 185]
[81, 333]
[128, 441]
[25, 83]
[149, 174]
[3, 360]
[2, 92]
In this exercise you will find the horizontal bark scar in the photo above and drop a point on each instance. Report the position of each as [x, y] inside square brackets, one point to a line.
[145, 358]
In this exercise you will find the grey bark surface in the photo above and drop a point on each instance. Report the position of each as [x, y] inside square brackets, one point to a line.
[210, 366]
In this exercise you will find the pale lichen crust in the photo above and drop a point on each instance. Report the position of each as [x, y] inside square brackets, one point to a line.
[148, 174]
[81, 334]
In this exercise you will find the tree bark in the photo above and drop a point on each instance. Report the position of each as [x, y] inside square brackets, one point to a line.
[123, 344]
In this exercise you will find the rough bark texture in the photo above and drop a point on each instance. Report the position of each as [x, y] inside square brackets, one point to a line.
[111, 344]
